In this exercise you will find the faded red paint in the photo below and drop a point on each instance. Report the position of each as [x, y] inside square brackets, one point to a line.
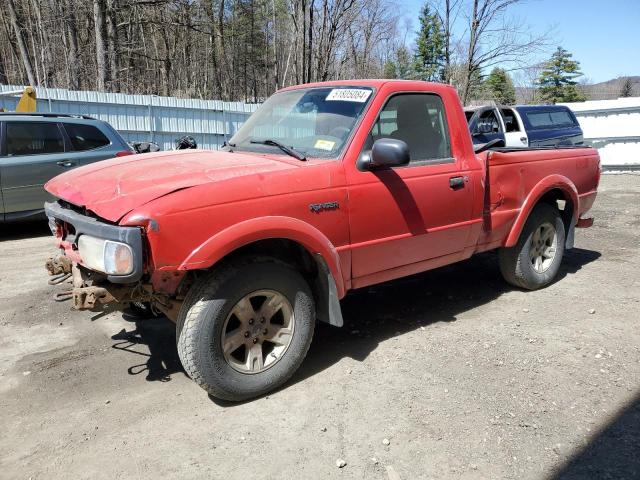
[198, 206]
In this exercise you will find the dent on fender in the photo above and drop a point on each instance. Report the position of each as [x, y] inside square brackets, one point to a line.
[254, 230]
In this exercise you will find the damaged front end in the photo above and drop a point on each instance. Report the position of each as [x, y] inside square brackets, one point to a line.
[104, 263]
[88, 290]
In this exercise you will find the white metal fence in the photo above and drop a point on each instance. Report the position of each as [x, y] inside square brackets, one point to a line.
[613, 127]
[146, 117]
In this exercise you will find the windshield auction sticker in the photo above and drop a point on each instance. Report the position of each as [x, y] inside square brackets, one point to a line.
[348, 95]
[324, 144]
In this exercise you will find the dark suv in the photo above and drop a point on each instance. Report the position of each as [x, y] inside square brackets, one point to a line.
[35, 147]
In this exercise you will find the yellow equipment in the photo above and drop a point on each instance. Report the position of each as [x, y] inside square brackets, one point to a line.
[27, 102]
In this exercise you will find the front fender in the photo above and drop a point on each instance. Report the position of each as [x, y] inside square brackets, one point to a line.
[543, 186]
[249, 231]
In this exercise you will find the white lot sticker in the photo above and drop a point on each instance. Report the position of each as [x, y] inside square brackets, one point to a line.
[324, 144]
[348, 95]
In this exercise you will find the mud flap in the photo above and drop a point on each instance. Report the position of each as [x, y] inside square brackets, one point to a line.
[568, 244]
[328, 304]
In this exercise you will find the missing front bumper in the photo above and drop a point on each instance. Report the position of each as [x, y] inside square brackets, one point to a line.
[90, 293]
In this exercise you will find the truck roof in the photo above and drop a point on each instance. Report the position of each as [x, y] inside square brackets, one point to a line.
[373, 83]
[533, 108]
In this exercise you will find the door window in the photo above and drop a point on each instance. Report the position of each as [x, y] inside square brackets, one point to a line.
[418, 120]
[85, 137]
[491, 118]
[510, 121]
[33, 138]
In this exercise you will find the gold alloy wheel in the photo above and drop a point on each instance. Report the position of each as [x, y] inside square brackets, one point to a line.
[544, 242]
[258, 331]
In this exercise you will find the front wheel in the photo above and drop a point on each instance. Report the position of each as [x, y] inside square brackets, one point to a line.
[245, 328]
[535, 260]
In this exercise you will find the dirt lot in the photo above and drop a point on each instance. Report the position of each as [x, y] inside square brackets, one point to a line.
[466, 378]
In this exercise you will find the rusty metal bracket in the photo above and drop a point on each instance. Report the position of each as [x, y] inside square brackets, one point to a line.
[63, 296]
[58, 279]
[58, 265]
[85, 298]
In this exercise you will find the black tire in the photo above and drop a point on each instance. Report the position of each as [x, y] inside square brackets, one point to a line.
[200, 323]
[515, 262]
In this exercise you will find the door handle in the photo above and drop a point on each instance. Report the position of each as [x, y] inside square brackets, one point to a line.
[66, 163]
[457, 182]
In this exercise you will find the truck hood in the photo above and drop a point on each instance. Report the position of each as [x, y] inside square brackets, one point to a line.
[112, 188]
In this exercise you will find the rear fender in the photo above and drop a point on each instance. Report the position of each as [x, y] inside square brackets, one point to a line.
[249, 231]
[547, 184]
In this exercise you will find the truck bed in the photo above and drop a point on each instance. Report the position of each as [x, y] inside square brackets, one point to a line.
[515, 174]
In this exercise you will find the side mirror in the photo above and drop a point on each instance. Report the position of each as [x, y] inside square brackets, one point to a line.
[387, 153]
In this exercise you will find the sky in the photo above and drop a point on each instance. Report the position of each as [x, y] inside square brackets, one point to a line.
[604, 36]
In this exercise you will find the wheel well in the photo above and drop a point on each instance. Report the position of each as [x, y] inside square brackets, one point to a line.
[559, 199]
[312, 267]
[285, 250]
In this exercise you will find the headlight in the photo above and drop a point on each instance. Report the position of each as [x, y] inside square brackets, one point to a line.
[113, 258]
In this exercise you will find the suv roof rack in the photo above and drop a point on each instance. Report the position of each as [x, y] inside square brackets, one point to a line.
[47, 115]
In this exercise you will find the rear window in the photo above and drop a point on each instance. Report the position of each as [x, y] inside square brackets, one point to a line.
[561, 117]
[33, 138]
[85, 137]
[549, 119]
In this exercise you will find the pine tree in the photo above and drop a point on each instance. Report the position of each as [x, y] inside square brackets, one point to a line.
[500, 87]
[389, 69]
[404, 67]
[627, 88]
[557, 80]
[429, 58]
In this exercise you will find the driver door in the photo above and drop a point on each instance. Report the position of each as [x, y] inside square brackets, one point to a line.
[402, 217]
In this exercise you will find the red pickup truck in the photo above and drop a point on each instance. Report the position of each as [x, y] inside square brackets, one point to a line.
[328, 187]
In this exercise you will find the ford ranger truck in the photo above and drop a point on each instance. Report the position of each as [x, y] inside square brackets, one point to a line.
[327, 188]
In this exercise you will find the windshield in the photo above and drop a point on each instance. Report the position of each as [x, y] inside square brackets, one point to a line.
[316, 122]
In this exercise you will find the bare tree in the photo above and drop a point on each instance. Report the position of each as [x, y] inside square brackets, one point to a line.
[228, 49]
[99, 8]
[24, 53]
[494, 38]
[525, 80]
[448, 11]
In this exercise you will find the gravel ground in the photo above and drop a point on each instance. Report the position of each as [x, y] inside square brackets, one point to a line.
[447, 374]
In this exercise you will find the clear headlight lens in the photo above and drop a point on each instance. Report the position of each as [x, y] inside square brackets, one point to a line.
[118, 258]
[113, 258]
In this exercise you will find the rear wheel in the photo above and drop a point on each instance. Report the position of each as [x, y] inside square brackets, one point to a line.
[535, 260]
[245, 328]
